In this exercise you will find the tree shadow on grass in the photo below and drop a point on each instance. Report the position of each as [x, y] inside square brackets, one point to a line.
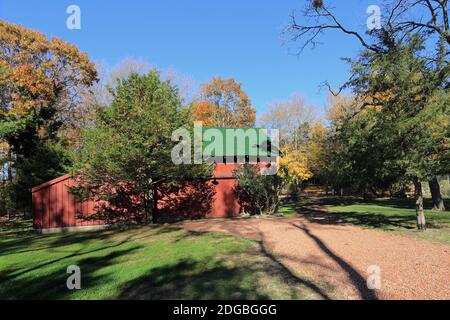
[272, 264]
[190, 279]
[53, 285]
[405, 203]
[72, 254]
[217, 278]
[398, 203]
[314, 211]
[365, 219]
[36, 242]
[16, 243]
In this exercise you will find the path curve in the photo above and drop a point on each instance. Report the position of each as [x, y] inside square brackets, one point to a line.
[337, 257]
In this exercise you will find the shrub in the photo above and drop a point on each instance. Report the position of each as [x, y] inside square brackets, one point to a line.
[257, 194]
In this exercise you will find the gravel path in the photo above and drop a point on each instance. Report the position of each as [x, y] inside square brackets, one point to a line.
[335, 258]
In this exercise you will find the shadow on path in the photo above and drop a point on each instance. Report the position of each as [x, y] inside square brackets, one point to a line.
[287, 273]
[358, 281]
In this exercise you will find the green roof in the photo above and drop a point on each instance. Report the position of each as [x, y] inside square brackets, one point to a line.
[228, 142]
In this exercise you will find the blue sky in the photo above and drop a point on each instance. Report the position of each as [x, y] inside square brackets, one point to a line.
[204, 38]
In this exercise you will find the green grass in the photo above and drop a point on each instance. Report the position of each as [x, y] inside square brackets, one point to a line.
[153, 262]
[396, 215]
[287, 210]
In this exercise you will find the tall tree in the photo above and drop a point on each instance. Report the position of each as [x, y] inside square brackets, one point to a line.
[37, 77]
[223, 103]
[408, 123]
[128, 153]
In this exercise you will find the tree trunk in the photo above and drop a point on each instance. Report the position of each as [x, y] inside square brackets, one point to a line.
[9, 164]
[418, 196]
[155, 204]
[146, 209]
[435, 189]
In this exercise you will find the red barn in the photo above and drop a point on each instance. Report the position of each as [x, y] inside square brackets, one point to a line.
[56, 209]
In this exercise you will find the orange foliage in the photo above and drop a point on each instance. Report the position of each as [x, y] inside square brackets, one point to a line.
[36, 72]
[203, 111]
[225, 104]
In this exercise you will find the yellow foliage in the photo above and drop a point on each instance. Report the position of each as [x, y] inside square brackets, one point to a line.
[203, 111]
[294, 165]
[317, 148]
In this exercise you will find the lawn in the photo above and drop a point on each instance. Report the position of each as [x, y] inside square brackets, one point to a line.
[396, 215]
[152, 262]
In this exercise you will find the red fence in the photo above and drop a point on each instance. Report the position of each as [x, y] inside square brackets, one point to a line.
[55, 207]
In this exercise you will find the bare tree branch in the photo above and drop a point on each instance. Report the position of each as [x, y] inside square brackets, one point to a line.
[397, 24]
[309, 33]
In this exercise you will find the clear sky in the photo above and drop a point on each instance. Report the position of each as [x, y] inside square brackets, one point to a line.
[204, 38]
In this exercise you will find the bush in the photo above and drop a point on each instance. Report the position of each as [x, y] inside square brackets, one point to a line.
[257, 194]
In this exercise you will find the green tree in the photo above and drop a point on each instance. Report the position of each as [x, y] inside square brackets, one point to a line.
[403, 128]
[130, 148]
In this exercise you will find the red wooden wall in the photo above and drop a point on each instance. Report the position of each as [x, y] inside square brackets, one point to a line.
[55, 207]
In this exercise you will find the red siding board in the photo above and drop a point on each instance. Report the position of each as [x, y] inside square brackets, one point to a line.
[64, 205]
[59, 202]
[45, 214]
[70, 204]
[52, 204]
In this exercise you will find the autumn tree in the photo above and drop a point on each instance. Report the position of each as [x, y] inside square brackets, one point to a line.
[318, 151]
[293, 118]
[39, 78]
[294, 166]
[223, 103]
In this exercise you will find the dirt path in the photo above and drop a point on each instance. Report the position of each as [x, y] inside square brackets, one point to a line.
[336, 258]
